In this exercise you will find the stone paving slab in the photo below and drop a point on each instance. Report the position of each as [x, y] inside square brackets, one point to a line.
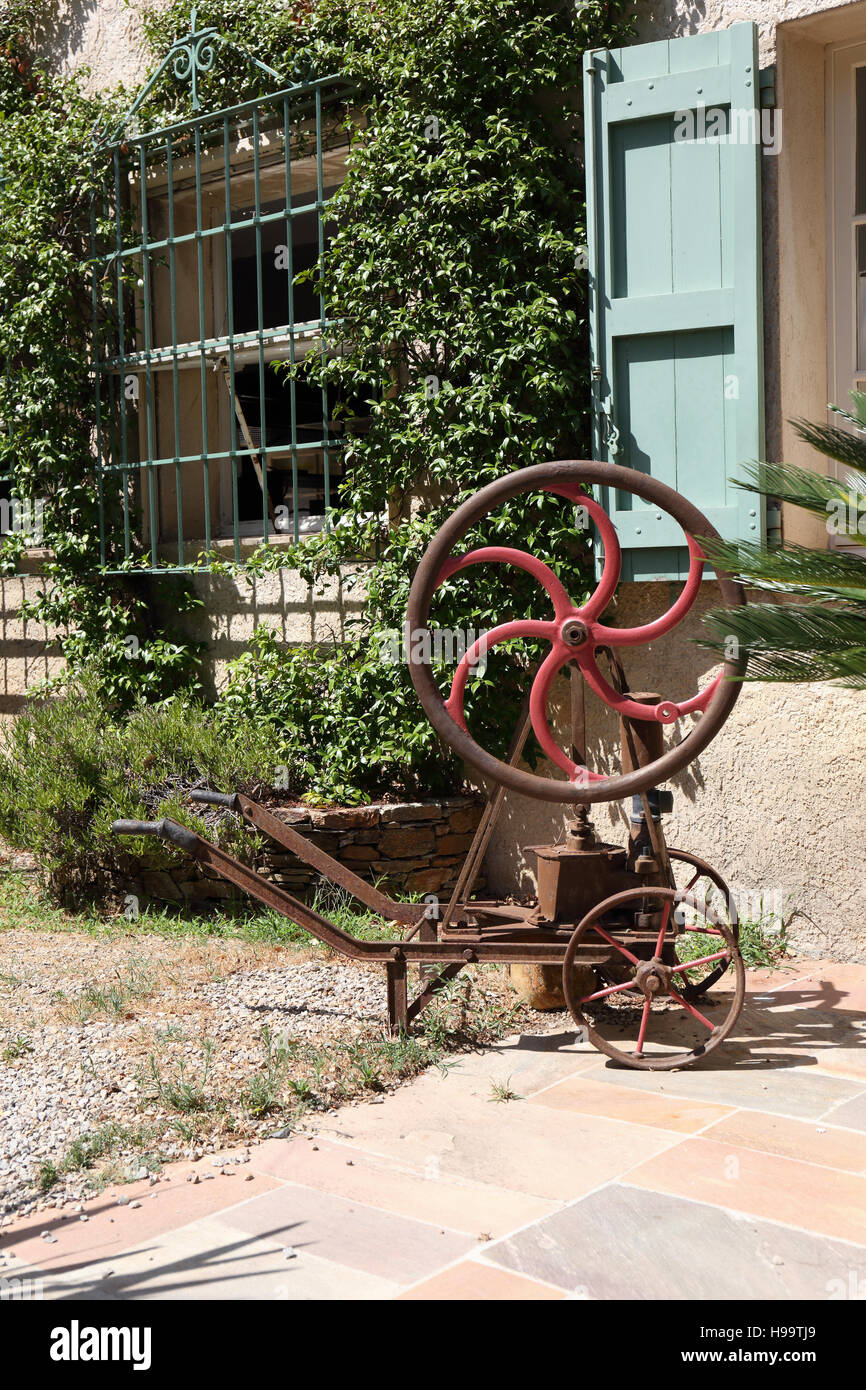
[763, 1184]
[474, 1208]
[213, 1259]
[588, 1097]
[349, 1233]
[171, 1203]
[783, 1089]
[851, 1113]
[743, 1177]
[473, 1279]
[620, 1242]
[442, 1125]
[818, 1142]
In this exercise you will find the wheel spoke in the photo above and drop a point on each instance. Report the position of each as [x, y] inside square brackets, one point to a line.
[678, 999]
[598, 601]
[611, 989]
[660, 944]
[637, 636]
[538, 697]
[644, 1021]
[628, 955]
[702, 960]
[522, 560]
[506, 632]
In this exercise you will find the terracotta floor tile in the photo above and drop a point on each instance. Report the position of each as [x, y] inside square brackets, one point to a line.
[379, 1181]
[471, 1280]
[637, 1107]
[813, 1141]
[777, 1189]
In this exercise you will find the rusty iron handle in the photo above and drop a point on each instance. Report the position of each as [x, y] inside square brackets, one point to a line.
[228, 800]
[166, 829]
[137, 827]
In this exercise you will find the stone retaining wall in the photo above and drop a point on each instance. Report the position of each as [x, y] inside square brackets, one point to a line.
[413, 847]
[416, 847]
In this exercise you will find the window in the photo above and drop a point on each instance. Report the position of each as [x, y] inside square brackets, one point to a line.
[846, 126]
[205, 431]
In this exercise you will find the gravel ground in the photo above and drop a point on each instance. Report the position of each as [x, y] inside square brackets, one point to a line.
[158, 1046]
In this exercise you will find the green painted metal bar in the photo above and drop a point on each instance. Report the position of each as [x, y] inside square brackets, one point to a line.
[260, 321]
[230, 331]
[219, 229]
[320, 227]
[120, 290]
[175, 373]
[150, 422]
[290, 271]
[201, 325]
[337, 88]
[313, 446]
[97, 375]
[186, 352]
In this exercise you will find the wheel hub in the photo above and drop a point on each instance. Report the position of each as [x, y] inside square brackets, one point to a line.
[653, 977]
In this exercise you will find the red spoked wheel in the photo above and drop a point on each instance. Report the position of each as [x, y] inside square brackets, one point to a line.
[647, 1019]
[575, 633]
[696, 879]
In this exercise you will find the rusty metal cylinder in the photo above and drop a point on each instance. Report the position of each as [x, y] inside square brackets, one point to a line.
[647, 734]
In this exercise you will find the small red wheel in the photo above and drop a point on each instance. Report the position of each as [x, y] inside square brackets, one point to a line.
[575, 633]
[700, 880]
[645, 1020]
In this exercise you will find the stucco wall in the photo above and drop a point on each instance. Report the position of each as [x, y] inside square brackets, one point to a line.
[103, 36]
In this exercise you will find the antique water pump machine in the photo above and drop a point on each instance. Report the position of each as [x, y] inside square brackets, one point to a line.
[641, 933]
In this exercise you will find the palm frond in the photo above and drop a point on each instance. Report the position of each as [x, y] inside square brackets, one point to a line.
[837, 444]
[817, 627]
[847, 670]
[831, 498]
[793, 569]
[858, 415]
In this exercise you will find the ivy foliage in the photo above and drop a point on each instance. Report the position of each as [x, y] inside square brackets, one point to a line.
[47, 182]
[455, 269]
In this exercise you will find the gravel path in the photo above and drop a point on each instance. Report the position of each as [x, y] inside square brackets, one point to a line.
[156, 1047]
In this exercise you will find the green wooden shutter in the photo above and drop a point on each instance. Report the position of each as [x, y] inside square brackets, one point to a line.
[674, 232]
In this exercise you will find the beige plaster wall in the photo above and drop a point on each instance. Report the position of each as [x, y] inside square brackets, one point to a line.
[103, 36]
[282, 601]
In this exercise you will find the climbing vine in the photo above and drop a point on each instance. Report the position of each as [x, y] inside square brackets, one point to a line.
[456, 269]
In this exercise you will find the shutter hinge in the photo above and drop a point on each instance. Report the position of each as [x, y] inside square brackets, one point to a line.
[774, 522]
[767, 85]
